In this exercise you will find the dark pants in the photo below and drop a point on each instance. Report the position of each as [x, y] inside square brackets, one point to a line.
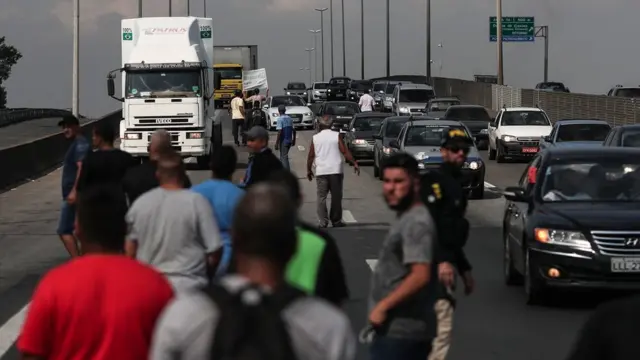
[386, 348]
[329, 184]
[238, 129]
[284, 155]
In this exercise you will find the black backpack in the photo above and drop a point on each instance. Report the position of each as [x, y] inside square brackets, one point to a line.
[251, 325]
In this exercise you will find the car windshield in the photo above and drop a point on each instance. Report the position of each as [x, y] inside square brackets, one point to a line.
[468, 113]
[442, 105]
[393, 128]
[368, 123]
[360, 86]
[342, 109]
[231, 73]
[415, 95]
[338, 81]
[628, 92]
[524, 118]
[390, 88]
[582, 132]
[287, 101]
[377, 87]
[174, 83]
[631, 138]
[296, 86]
[552, 86]
[320, 86]
[608, 179]
[429, 135]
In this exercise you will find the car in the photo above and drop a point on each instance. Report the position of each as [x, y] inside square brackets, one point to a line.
[296, 107]
[422, 138]
[360, 139]
[340, 112]
[318, 92]
[296, 88]
[389, 130]
[436, 107]
[552, 87]
[476, 118]
[623, 136]
[571, 222]
[387, 98]
[576, 132]
[516, 133]
[357, 89]
[411, 99]
[632, 92]
[338, 88]
[378, 94]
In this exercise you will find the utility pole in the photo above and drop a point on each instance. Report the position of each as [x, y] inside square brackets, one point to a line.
[322, 10]
[309, 51]
[188, 7]
[331, 25]
[204, 3]
[75, 101]
[428, 72]
[543, 32]
[499, 41]
[389, 43]
[362, 39]
[139, 8]
[315, 58]
[344, 47]
[170, 10]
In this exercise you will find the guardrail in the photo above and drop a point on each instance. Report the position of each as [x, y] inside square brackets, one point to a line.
[28, 160]
[15, 116]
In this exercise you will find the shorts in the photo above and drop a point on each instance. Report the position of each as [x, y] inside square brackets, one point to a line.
[66, 224]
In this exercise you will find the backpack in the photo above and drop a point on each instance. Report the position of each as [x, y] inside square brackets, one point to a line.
[251, 325]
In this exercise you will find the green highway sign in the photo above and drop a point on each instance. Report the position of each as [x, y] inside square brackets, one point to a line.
[514, 29]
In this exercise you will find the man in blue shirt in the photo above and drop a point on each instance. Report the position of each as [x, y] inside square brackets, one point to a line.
[286, 136]
[223, 196]
[70, 171]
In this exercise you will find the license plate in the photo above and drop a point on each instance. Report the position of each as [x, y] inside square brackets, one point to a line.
[625, 265]
[530, 150]
[339, 95]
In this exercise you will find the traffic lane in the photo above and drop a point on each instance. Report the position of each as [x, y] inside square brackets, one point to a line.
[30, 130]
[505, 174]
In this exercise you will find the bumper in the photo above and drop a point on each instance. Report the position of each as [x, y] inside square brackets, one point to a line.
[362, 152]
[305, 122]
[519, 149]
[337, 95]
[320, 97]
[580, 270]
[186, 148]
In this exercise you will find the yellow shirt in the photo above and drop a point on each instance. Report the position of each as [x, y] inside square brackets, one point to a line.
[236, 104]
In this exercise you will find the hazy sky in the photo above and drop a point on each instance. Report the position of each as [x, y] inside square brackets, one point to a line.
[593, 44]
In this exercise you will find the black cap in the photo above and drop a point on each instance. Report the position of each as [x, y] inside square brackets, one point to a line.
[257, 133]
[68, 120]
[456, 137]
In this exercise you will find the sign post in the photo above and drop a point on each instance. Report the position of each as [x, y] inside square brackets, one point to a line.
[514, 29]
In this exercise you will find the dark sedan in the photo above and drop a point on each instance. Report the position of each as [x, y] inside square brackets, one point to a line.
[360, 137]
[624, 136]
[340, 112]
[475, 117]
[389, 130]
[572, 222]
[574, 132]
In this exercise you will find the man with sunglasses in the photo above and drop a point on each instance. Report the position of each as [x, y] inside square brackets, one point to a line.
[442, 192]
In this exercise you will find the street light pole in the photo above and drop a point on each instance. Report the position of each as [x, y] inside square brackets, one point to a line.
[499, 41]
[75, 101]
[139, 8]
[331, 25]
[362, 39]
[315, 58]
[344, 47]
[428, 42]
[204, 3]
[389, 43]
[322, 10]
[543, 32]
[309, 51]
[170, 10]
[188, 7]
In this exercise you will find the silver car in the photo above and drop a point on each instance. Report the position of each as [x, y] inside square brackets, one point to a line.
[318, 92]
[411, 99]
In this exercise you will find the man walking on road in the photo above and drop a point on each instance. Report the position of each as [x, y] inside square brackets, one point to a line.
[326, 151]
[286, 136]
[237, 118]
[262, 162]
[366, 101]
[71, 169]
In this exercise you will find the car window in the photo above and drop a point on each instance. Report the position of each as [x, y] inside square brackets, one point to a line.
[343, 108]
[338, 81]
[390, 89]
[429, 135]
[553, 132]
[416, 95]
[631, 138]
[367, 123]
[287, 101]
[320, 86]
[524, 118]
[379, 87]
[582, 132]
[628, 92]
[393, 128]
[468, 113]
[528, 178]
[607, 140]
[296, 86]
[442, 105]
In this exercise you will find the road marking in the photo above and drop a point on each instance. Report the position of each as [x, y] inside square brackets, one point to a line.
[300, 148]
[347, 217]
[372, 263]
[488, 185]
[11, 329]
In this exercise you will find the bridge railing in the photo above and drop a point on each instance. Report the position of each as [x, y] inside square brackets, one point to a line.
[18, 115]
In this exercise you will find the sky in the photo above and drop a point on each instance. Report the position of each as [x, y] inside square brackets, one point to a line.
[590, 49]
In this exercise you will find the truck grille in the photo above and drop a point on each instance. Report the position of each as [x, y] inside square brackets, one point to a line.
[174, 138]
[614, 243]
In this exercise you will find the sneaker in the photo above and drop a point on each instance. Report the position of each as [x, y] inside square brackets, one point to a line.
[339, 224]
[323, 225]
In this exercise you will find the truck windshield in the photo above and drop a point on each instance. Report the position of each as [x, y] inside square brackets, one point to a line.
[231, 73]
[174, 83]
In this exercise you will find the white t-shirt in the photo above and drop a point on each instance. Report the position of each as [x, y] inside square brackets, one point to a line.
[236, 104]
[366, 102]
[327, 150]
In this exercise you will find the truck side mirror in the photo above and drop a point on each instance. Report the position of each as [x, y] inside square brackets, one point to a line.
[111, 87]
[217, 81]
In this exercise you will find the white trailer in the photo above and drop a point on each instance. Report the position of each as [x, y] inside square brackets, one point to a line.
[167, 83]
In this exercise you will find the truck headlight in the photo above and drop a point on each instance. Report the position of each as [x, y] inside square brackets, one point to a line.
[508, 138]
[133, 136]
[195, 135]
[473, 165]
[484, 131]
[404, 109]
[562, 237]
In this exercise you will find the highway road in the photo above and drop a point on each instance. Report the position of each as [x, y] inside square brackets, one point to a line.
[30, 130]
[494, 323]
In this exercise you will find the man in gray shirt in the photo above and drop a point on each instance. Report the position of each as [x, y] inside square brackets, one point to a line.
[264, 239]
[173, 229]
[402, 296]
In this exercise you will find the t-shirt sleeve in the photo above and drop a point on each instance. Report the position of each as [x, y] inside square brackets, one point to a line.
[132, 233]
[279, 123]
[80, 151]
[207, 225]
[418, 236]
[38, 331]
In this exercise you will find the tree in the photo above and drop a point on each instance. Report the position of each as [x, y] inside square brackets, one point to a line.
[9, 56]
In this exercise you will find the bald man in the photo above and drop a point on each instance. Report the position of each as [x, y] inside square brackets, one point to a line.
[142, 178]
[173, 229]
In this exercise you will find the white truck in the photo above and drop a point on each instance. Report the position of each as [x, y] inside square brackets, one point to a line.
[516, 133]
[167, 84]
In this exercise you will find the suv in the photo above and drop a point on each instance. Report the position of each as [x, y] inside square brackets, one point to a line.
[296, 88]
[411, 99]
[516, 133]
[552, 87]
[318, 92]
[625, 91]
[338, 88]
[357, 89]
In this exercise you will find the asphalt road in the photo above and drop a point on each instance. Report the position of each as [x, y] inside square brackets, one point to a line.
[494, 323]
[28, 131]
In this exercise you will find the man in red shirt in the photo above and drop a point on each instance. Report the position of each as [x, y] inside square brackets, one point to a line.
[102, 305]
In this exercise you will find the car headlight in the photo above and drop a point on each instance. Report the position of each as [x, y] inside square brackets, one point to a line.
[420, 156]
[421, 165]
[316, 92]
[133, 136]
[275, 114]
[359, 142]
[304, 93]
[404, 109]
[308, 114]
[388, 98]
[328, 90]
[508, 138]
[473, 165]
[386, 150]
[562, 237]
[484, 131]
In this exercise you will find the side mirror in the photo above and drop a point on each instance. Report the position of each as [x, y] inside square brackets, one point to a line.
[111, 87]
[492, 124]
[285, 89]
[394, 144]
[547, 138]
[217, 80]
[514, 193]
[377, 137]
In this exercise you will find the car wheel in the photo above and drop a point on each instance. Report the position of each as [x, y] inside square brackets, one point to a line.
[499, 154]
[533, 287]
[376, 169]
[511, 275]
[492, 153]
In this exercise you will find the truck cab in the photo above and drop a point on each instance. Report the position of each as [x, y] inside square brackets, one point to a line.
[228, 63]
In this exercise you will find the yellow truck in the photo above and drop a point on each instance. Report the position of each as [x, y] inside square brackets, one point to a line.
[229, 62]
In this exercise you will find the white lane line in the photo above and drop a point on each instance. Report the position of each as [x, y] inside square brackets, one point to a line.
[488, 185]
[11, 329]
[347, 217]
[372, 263]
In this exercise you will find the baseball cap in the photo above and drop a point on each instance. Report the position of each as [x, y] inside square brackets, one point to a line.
[282, 108]
[257, 133]
[456, 137]
[68, 120]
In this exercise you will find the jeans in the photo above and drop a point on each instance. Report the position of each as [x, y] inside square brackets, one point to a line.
[329, 184]
[284, 155]
[238, 129]
[386, 348]
[66, 223]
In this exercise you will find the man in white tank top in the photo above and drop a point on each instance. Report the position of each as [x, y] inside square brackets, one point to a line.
[327, 150]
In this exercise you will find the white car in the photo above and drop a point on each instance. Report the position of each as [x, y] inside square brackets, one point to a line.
[516, 133]
[297, 108]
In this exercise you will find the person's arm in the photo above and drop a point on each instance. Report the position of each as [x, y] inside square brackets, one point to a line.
[279, 130]
[79, 154]
[311, 157]
[84, 173]
[241, 107]
[131, 241]
[347, 154]
[38, 334]
[208, 230]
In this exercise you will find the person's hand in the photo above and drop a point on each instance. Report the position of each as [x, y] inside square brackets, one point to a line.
[356, 168]
[446, 274]
[310, 175]
[71, 199]
[469, 283]
[378, 315]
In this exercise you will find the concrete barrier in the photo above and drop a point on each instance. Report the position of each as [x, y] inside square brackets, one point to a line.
[16, 116]
[28, 160]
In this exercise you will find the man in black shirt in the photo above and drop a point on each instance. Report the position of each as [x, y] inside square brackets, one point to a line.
[262, 161]
[142, 178]
[106, 164]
